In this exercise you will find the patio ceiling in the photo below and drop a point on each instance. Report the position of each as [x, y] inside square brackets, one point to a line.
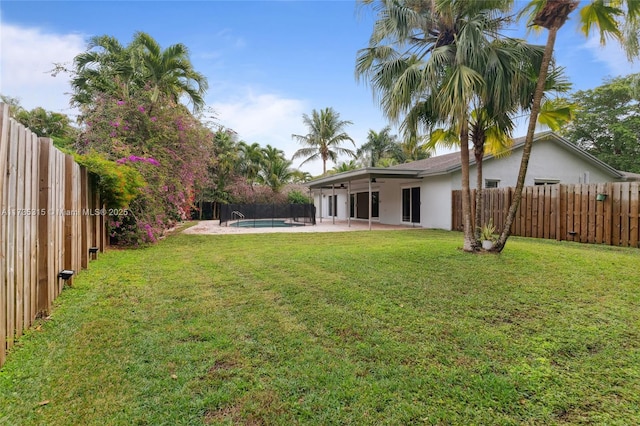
[366, 173]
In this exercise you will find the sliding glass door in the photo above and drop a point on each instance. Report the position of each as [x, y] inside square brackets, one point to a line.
[411, 204]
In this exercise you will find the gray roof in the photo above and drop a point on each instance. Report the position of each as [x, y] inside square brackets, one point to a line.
[628, 176]
[435, 165]
[449, 163]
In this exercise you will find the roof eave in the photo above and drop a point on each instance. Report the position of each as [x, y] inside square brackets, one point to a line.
[364, 173]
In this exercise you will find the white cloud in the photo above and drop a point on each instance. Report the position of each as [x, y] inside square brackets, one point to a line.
[26, 56]
[266, 118]
[612, 56]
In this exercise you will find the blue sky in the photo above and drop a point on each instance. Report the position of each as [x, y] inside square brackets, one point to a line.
[267, 62]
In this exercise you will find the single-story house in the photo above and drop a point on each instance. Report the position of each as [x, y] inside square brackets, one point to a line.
[419, 193]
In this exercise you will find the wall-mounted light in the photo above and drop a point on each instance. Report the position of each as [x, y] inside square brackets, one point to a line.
[601, 197]
[93, 252]
[65, 274]
[342, 185]
[373, 180]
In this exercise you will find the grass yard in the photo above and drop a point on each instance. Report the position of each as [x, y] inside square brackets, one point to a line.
[392, 327]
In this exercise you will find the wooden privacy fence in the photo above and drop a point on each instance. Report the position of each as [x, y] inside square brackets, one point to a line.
[50, 217]
[602, 213]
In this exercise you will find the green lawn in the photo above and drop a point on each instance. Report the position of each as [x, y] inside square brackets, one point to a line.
[347, 328]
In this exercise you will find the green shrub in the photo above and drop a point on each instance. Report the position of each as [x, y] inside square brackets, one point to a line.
[119, 184]
[297, 197]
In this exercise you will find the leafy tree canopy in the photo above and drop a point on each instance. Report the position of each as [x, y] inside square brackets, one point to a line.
[43, 123]
[325, 138]
[110, 68]
[607, 122]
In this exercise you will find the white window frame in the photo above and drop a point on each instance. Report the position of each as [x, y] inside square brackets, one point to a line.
[545, 181]
[410, 188]
[496, 181]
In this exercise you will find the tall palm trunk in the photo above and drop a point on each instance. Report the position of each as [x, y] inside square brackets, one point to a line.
[469, 240]
[478, 152]
[528, 143]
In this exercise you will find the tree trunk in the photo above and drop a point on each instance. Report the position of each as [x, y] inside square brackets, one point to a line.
[478, 152]
[528, 143]
[469, 240]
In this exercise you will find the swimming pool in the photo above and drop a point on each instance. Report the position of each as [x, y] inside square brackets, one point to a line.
[264, 223]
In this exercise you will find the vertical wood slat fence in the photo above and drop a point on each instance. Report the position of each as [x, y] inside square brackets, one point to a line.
[603, 213]
[50, 217]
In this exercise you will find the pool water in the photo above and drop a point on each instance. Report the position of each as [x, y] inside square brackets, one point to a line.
[264, 223]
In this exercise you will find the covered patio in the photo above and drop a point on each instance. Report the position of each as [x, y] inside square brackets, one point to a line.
[362, 204]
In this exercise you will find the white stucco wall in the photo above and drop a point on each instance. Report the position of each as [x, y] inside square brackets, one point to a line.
[548, 160]
[436, 202]
[322, 208]
[391, 200]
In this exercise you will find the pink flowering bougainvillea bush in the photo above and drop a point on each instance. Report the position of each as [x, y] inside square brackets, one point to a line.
[162, 141]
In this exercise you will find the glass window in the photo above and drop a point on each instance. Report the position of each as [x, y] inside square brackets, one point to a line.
[545, 181]
[491, 183]
[333, 205]
[411, 204]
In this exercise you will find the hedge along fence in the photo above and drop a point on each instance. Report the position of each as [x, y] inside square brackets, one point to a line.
[603, 213]
[50, 217]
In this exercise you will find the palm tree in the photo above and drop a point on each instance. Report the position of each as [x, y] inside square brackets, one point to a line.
[618, 20]
[413, 148]
[492, 134]
[345, 166]
[227, 157]
[170, 71]
[108, 67]
[449, 50]
[276, 173]
[251, 159]
[298, 176]
[379, 145]
[45, 123]
[326, 134]
[270, 154]
[275, 170]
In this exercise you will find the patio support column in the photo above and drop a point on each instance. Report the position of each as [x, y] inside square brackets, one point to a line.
[349, 204]
[320, 203]
[333, 204]
[370, 203]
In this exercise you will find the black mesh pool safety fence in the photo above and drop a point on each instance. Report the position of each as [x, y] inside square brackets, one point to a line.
[266, 215]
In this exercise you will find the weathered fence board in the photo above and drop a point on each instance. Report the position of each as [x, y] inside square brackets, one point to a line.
[604, 213]
[48, 222]
[4, 150]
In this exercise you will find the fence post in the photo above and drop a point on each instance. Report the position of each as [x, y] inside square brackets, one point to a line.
[11, 234]
[4, 148]
[608, 214]
[20, 236]
[33, 224]
[69, 255]
[634, 212]
[43, 227]
[84, 219]
[29, 208]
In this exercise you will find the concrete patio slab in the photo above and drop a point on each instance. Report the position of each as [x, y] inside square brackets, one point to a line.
[212, 227]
